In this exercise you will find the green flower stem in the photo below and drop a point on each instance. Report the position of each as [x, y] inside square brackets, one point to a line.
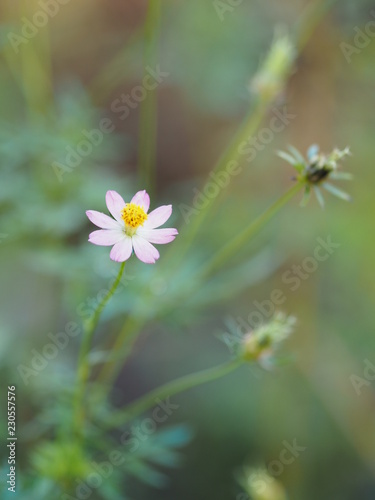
[234, 245]
[309, 21]
[122, 347]
[231, 156]
[148, 107]
[83, 363]
[170, 389]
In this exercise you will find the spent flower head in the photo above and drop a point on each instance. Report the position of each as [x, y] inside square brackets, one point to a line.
[132, 228]
[316, 169]
[261, 344]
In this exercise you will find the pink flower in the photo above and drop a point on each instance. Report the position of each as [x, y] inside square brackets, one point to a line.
[132, 227]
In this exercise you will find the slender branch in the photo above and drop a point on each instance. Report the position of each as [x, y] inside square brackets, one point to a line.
[170, 389]
[306, 25]
[122, 348]
[228, 250]
[83, 364]
[232, 155]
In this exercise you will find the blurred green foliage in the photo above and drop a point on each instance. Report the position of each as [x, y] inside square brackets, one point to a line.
[50, 274]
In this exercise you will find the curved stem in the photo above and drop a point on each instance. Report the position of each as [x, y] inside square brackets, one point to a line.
[309, 21]
[172, 388]
[230, 157]
[83, 364]
[227, 251]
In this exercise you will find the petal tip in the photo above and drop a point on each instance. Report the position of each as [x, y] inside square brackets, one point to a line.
[111, 193]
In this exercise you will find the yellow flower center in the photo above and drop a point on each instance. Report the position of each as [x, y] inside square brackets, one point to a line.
[134, 216]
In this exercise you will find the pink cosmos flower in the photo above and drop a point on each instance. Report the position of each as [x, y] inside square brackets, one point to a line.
[132, 227]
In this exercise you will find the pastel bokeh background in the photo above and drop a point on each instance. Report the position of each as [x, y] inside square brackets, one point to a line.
[64, 81]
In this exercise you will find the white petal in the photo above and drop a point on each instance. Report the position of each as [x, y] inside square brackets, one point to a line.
[115, 204]
[106, 237]
[142, 199]
[144, 250]
[122, 250]
[103, 221]
[158, 216]
[160, 236]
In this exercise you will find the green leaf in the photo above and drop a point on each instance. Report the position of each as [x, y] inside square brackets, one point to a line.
[146, 473]
[337, 192]
[174, 437]
[342, 176]
[287, 157]
[297, 155]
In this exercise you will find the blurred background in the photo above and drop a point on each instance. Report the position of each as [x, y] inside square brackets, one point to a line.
[57, 85]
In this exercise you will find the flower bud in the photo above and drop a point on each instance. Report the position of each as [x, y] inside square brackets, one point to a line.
[316, 170]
